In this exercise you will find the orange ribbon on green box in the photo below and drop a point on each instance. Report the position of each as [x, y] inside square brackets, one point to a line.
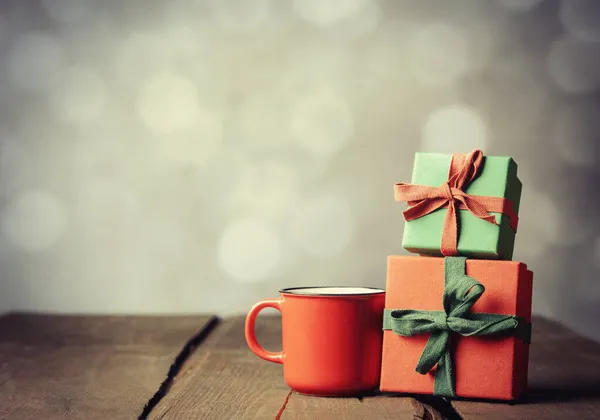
[423, 200]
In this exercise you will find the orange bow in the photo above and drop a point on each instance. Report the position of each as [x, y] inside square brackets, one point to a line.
[423, 200]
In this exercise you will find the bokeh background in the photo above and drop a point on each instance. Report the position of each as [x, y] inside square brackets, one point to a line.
[196, 156]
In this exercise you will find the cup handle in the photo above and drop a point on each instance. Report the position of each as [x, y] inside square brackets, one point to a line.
[275, 357]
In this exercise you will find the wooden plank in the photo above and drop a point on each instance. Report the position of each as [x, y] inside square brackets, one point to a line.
[224, 380]
[53, 330]
[302, 407]
[564, 380]
[91, 367]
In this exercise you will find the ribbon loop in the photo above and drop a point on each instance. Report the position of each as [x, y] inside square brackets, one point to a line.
[460, 294]
[423, 200]
[434, 351]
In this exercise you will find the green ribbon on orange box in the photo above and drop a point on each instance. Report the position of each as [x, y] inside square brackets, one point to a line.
[460, 294]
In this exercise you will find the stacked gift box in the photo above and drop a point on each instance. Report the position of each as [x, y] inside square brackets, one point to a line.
[457, 321]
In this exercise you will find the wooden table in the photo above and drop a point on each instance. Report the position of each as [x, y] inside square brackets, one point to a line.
[199, 367]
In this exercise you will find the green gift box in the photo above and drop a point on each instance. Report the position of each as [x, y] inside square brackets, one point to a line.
[482, 178]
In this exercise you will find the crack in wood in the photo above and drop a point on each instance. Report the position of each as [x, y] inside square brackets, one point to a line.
[285, 403]
[177, 364]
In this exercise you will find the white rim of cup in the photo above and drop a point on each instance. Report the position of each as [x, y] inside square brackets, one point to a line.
[302, 291]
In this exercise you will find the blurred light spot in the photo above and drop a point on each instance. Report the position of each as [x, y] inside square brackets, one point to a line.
[264, 121]
[197, 146]
[240, 15]
[67, 11]
[267, 190]
[179, 45]
[573, 65]
[322, 227]
[16, 166]
[33, 221]
[359, 23]
[168, 103]
[234, 182]
[81, 98]
[438, 54]
[248, 250]
[539, 226]
[454, 128]
[575, 136]
[519, 5]
[322, 122]
[363, 22]
[35, 62]
[324, 13]
[581, 18]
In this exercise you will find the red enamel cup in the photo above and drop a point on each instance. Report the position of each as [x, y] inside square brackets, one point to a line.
[332, 338]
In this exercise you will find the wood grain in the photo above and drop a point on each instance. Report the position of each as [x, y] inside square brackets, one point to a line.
[109, 367]
[86, 367]
[564, 380]
[302, 407]
[224, 380]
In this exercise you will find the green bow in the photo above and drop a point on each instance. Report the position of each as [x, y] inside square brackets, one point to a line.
[460, 294]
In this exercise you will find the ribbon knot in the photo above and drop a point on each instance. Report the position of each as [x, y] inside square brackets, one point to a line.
[447, 191]
[423, 200]
[460, 294]
[441, 322]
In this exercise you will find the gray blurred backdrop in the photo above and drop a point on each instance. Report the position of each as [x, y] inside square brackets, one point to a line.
[196, 156]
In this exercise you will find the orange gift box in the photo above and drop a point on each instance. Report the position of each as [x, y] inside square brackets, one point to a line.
[491, 366]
